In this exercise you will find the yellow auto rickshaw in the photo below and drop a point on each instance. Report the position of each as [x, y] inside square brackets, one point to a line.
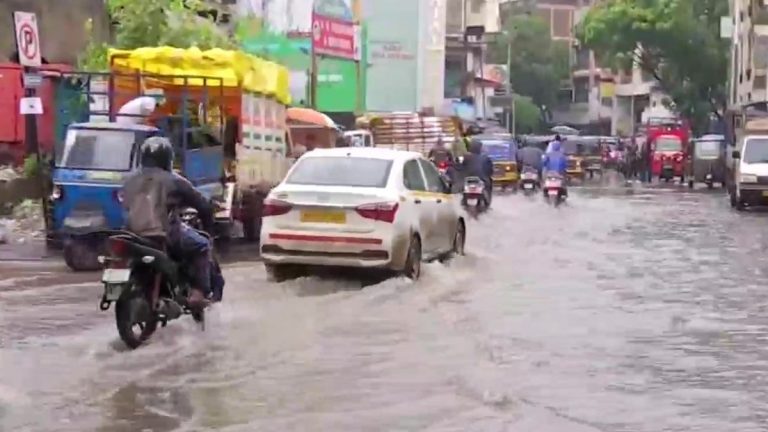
[573, 148]
[502, 149]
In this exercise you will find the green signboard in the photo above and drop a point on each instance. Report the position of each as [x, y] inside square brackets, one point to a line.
[337, 79]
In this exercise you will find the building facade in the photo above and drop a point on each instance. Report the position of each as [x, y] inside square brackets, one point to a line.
[748, 31]
[468, 26]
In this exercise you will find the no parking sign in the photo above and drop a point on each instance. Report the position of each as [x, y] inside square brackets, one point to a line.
[27, 39]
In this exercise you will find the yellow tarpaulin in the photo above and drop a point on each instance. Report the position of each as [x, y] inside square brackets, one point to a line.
[213, 67]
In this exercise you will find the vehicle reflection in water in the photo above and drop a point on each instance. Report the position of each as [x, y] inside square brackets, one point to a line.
[631, 309]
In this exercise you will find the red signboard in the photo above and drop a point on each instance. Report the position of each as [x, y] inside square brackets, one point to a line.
[335, 37]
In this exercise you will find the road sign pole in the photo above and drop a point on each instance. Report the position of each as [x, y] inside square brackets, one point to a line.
[28, 47]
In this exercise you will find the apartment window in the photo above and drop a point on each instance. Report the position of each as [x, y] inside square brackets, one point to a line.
[454, 20]
[760, 82]
[581, 91]
[561, 23]
[607, 102]
[582, 58]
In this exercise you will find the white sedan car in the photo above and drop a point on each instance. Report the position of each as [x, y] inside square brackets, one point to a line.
[360, 207]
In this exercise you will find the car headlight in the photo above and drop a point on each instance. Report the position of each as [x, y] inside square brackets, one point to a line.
[748, 178]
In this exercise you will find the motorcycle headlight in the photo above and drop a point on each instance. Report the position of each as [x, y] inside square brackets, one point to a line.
[748, 178]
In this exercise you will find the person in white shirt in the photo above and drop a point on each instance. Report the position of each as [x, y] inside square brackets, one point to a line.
[137, 110]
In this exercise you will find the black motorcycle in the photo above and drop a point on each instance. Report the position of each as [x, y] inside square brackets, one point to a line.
[148, 286]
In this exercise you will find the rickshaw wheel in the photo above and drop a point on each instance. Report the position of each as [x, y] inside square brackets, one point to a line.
[81, 256]
[690, 184]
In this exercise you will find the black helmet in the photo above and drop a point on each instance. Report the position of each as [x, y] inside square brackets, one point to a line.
[557, 137]
[157, 152]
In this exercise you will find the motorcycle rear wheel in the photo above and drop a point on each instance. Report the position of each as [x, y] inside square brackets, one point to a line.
[126, 309]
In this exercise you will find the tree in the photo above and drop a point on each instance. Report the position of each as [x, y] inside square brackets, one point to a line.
[676, 41]
[527, 116]
[538, 64]
[139, 23]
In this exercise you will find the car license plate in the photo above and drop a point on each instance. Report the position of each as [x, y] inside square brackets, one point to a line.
[116, 276]
[528, 186]
[472, 201]
[323, 216]
[552, 192]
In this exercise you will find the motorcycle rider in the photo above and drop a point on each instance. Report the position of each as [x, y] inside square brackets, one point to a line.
[478, 164]
[530, 156]
[558, 140]
[153, 198]
[439, 153]
[555, 161]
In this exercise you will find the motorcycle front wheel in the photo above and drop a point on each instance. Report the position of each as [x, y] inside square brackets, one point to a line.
[130, 308]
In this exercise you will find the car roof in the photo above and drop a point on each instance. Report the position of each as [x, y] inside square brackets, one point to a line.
[114, 125]
[363, 152]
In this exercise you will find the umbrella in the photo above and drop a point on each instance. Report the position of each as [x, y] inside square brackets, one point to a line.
[564, 130]
[310, 117]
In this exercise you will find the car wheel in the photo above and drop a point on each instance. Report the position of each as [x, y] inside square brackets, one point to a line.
[278, 272]
[412, 268]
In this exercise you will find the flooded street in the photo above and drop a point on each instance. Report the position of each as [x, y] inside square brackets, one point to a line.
[628, 309]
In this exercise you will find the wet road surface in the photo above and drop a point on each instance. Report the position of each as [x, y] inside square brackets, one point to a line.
[629, 309]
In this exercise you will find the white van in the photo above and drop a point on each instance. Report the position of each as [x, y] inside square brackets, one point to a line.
[751, 175]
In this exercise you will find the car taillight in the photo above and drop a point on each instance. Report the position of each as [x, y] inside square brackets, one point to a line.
[118, 195]
[508, 168]
[443, 165]
[274, 207]
[384, 212]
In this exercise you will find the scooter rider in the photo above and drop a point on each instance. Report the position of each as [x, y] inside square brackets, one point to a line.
[153, 198]
[478, 164]
[530, 156]
[556, 162]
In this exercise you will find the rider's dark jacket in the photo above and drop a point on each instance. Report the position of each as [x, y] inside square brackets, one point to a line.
[153, 198]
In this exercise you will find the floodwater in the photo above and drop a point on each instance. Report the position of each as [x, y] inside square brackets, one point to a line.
[628, 309]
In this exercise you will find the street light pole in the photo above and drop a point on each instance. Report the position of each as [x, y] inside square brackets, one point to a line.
[508, 84]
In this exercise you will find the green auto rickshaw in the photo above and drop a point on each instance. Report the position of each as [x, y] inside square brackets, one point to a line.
[707, 161]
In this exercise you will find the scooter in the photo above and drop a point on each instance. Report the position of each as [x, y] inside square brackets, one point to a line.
[529, 180]
[554, 189]
[474, 199]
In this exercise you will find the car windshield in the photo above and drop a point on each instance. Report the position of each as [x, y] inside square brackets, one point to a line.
[708, 149]
[756, 150]
[97, 149]
[341, 171]
[669, 144]
[499, 150]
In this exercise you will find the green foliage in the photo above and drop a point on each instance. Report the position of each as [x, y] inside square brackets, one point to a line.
[156, 23]
[680, 46]
[527, 116]
[537, 64]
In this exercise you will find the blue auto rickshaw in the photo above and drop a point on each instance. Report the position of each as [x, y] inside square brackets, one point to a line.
[93, 160]
[87, 178]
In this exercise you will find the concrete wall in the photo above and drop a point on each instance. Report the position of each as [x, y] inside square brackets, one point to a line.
[62, 26]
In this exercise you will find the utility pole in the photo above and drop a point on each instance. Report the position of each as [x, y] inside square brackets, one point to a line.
[511, 109]
[358, 17]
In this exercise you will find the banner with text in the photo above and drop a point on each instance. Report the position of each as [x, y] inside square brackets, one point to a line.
[335, 38]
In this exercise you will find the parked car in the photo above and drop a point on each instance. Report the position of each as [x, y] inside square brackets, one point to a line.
[360, 207]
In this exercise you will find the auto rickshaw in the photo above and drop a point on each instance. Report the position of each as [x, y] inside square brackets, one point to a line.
[593, 157]
[707, 161]
[573, 148]
[502, 149]
[668, 157]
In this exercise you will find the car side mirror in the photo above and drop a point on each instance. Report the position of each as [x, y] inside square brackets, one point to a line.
[736, 154]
